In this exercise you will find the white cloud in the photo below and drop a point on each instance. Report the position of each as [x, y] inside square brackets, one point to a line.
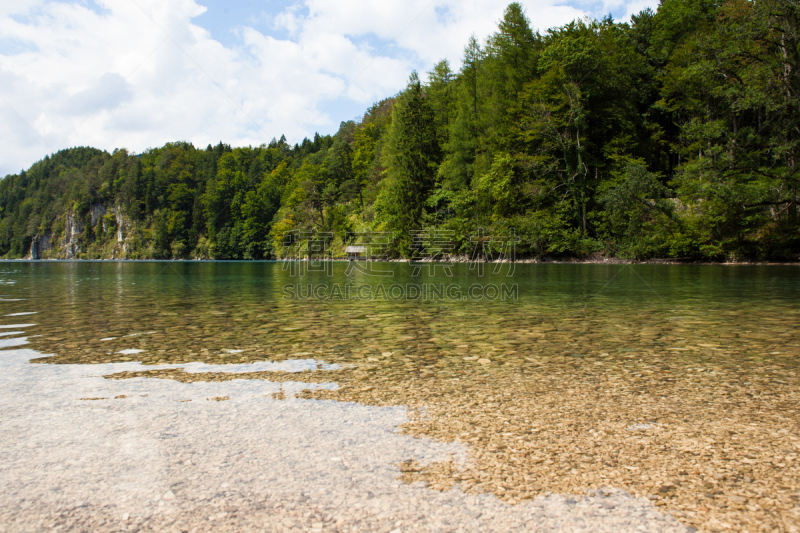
[635, 7]
[112, 78]
[430, 30]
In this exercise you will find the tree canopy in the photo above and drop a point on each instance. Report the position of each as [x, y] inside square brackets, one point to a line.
[674, 135]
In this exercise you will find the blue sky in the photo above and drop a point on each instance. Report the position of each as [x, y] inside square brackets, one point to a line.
[139, 73]
[224, 18]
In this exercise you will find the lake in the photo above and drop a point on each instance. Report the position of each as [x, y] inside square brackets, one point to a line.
[157, 395]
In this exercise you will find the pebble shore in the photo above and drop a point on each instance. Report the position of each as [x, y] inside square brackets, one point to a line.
[83, 453]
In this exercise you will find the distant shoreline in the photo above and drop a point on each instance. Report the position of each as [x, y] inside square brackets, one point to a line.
[455, 261]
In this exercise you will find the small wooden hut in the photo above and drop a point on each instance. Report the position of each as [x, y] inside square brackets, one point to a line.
[354, 253]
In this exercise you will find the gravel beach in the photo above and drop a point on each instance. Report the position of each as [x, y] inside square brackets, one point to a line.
[83, 453]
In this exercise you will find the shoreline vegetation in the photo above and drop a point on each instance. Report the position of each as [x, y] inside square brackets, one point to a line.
[674, 137]
[455, 261]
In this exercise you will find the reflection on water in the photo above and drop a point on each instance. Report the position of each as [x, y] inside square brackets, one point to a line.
[674, 382]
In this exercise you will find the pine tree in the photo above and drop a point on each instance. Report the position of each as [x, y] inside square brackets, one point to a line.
[413, 157]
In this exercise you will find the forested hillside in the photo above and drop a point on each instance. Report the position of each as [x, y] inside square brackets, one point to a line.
[676, 135]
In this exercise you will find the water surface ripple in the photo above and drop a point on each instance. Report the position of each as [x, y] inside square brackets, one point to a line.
[675, 383]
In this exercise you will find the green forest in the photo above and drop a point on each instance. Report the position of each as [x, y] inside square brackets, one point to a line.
[676, 135]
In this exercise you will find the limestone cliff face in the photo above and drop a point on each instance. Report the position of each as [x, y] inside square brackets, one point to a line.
[70, 245]
[40, 245]
[97, 211]
[123, 225]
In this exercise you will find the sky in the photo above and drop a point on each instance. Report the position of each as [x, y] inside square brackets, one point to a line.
[136, 74]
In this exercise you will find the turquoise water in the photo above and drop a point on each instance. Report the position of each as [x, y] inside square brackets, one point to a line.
[180, 312]
[665, 380]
